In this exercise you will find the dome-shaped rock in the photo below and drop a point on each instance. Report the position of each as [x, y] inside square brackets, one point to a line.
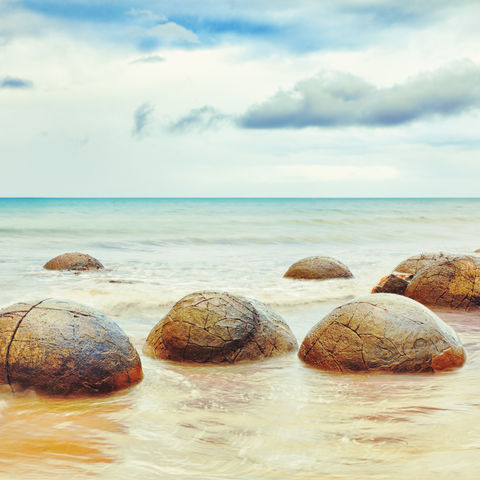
[382, 332]
[318, 268]
[414, 264]
[61, 347]
[73, 261]
[451, 283]
[218, 327]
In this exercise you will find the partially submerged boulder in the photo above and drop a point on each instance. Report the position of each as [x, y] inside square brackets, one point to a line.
[403, 273]
[452, 283]
[382, 332]
[73, 261]
[214, 327]
[61, 347]
[318, 268]
[414, 264]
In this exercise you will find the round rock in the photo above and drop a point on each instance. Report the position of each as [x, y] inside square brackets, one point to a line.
[60, 347]
[452, 283]
[73, 261]
[382, 332]
[318, 268]
[414, 264]
[214, 327]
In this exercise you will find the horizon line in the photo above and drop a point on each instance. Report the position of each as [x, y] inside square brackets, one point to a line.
[239, 198]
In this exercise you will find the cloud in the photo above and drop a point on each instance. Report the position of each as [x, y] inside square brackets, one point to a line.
[339, 99]
[199, 119]
[171, 32]
[142, 118]
[149, 59]
[15, 83]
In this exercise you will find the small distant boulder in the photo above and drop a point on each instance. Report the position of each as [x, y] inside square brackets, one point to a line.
[452, 283]
[382, 332]
[477, 250]
[64, 348]
[214, 327]
[318, 268]
[73, 261]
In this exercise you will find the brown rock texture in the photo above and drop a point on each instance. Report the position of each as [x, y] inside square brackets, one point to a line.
[63, 348]
[318, 268]
[382, 332]
[477, 250]
[414, 264]
[73, 261]
[215, 327]
[393, 283]
[452, 283]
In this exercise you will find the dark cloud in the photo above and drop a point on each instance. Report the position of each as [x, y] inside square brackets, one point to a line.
[15, 83]
[338, 99]
[199, 119]
[142, 118]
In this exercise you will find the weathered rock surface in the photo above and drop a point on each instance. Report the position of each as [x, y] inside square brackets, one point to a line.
[73, 261]
[452, 283]
[318, 268]
[393, 283]
[414, 264]
[60, 347]
[382, 332]
[477, 250]
[213, 327]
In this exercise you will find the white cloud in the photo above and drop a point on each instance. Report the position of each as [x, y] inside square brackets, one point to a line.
[171, 32]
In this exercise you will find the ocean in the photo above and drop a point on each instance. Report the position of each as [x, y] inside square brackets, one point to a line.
[275, 419]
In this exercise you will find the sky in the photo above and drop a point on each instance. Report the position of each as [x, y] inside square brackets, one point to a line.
[240, 98]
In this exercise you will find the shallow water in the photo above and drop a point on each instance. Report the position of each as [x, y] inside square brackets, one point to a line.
[277, 419]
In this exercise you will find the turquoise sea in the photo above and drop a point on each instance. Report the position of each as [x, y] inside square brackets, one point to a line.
[165, 248]
[277, 419]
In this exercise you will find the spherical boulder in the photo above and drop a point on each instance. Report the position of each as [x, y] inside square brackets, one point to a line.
[318, 268]
[382, 332]
[62, 348]
[73, 261]
[477, 250]
[214, 327]
[414, 264]
[452, 283]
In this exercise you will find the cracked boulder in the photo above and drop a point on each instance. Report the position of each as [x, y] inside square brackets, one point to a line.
[318, 268]
[413, 265]
[214, 327]
[63, 348]
[382, 332]
[452, 283]
[73, 261]
[403, 273]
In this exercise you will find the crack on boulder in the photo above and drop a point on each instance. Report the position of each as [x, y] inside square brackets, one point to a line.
[7, 355]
